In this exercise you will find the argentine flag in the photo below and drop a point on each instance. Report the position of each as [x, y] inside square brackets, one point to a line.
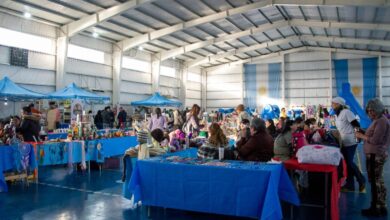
[262, 83]
[360, 74]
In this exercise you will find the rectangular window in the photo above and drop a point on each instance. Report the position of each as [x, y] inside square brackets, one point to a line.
[168, 71]
[82, 53]
[17, 39]
[138, 65]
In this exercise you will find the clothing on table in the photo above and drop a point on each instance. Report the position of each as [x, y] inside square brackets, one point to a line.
[257, 148]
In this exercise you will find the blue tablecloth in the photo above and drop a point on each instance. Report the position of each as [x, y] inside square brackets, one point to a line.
[235, 188]
[58, 153]
[16, 158]
[110, 147]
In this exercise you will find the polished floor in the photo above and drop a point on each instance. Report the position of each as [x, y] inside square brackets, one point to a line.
[64, 195]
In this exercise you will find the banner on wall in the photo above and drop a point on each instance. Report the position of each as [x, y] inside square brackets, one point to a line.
[262, 84]
[360, 74]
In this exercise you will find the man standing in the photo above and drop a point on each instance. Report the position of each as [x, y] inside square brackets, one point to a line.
[122, 115]
[106, 117]
[346, 124]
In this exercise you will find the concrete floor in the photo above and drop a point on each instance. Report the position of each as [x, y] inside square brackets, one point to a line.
[60, 195]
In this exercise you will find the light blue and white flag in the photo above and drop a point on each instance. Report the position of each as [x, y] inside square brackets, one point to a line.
[262, 83]
[360, 74]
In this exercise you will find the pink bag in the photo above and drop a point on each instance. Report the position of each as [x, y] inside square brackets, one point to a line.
[298, 141]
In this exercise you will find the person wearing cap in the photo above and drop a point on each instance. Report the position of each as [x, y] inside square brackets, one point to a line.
[257, 147]
[346, 123]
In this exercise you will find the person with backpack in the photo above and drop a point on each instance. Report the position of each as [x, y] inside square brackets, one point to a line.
[346, 123]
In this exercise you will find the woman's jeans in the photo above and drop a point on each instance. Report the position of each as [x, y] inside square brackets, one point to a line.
[353, 171]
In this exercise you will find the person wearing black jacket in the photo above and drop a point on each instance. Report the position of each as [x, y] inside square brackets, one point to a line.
[98, 120]
[29, 127]
[122, 116]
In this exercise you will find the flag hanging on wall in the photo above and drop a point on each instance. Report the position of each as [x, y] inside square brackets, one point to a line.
[261, 81]
[360, 74]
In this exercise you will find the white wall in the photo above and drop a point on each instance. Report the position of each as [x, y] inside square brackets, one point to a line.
[40, 75]
[307, 79]
[193, 88]
[224, 87]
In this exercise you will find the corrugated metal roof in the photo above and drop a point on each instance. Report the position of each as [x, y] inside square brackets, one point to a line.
[162, 14]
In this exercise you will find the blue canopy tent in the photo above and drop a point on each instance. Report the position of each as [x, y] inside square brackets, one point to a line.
[74, 92]
[157, 100]
[10, 91]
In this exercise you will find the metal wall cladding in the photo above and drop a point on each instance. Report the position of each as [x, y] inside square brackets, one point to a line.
[135, 76]
[170, 92]
[135, 88]
[90, 82]
[193, 94]
[194, 86]
[223, 103]
[88, 68]
[27, 26]
[190, 102]
[28, 76]
[126, 98]
[225, 94]
[41, 61]
[169, 82]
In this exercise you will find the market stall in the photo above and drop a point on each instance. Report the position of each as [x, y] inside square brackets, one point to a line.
[17, 159]
[208, 186]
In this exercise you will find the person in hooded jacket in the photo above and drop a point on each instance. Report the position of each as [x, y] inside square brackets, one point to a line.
[29, 127]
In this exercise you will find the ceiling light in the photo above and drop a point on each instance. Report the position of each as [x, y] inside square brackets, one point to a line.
[95, 35]
[140, 48]
[27, 15]
[173, 58]
[6, 103]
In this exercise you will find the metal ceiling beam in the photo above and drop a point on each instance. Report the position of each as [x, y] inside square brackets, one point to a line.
[299, 49]
[177, 51]
[75, 27]
[278, 24]
[138, 40]
[258, 58]
[129, 43]
[266, 45]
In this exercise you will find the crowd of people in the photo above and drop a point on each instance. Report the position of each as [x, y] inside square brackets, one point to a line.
[263, 140]
[24, 128]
